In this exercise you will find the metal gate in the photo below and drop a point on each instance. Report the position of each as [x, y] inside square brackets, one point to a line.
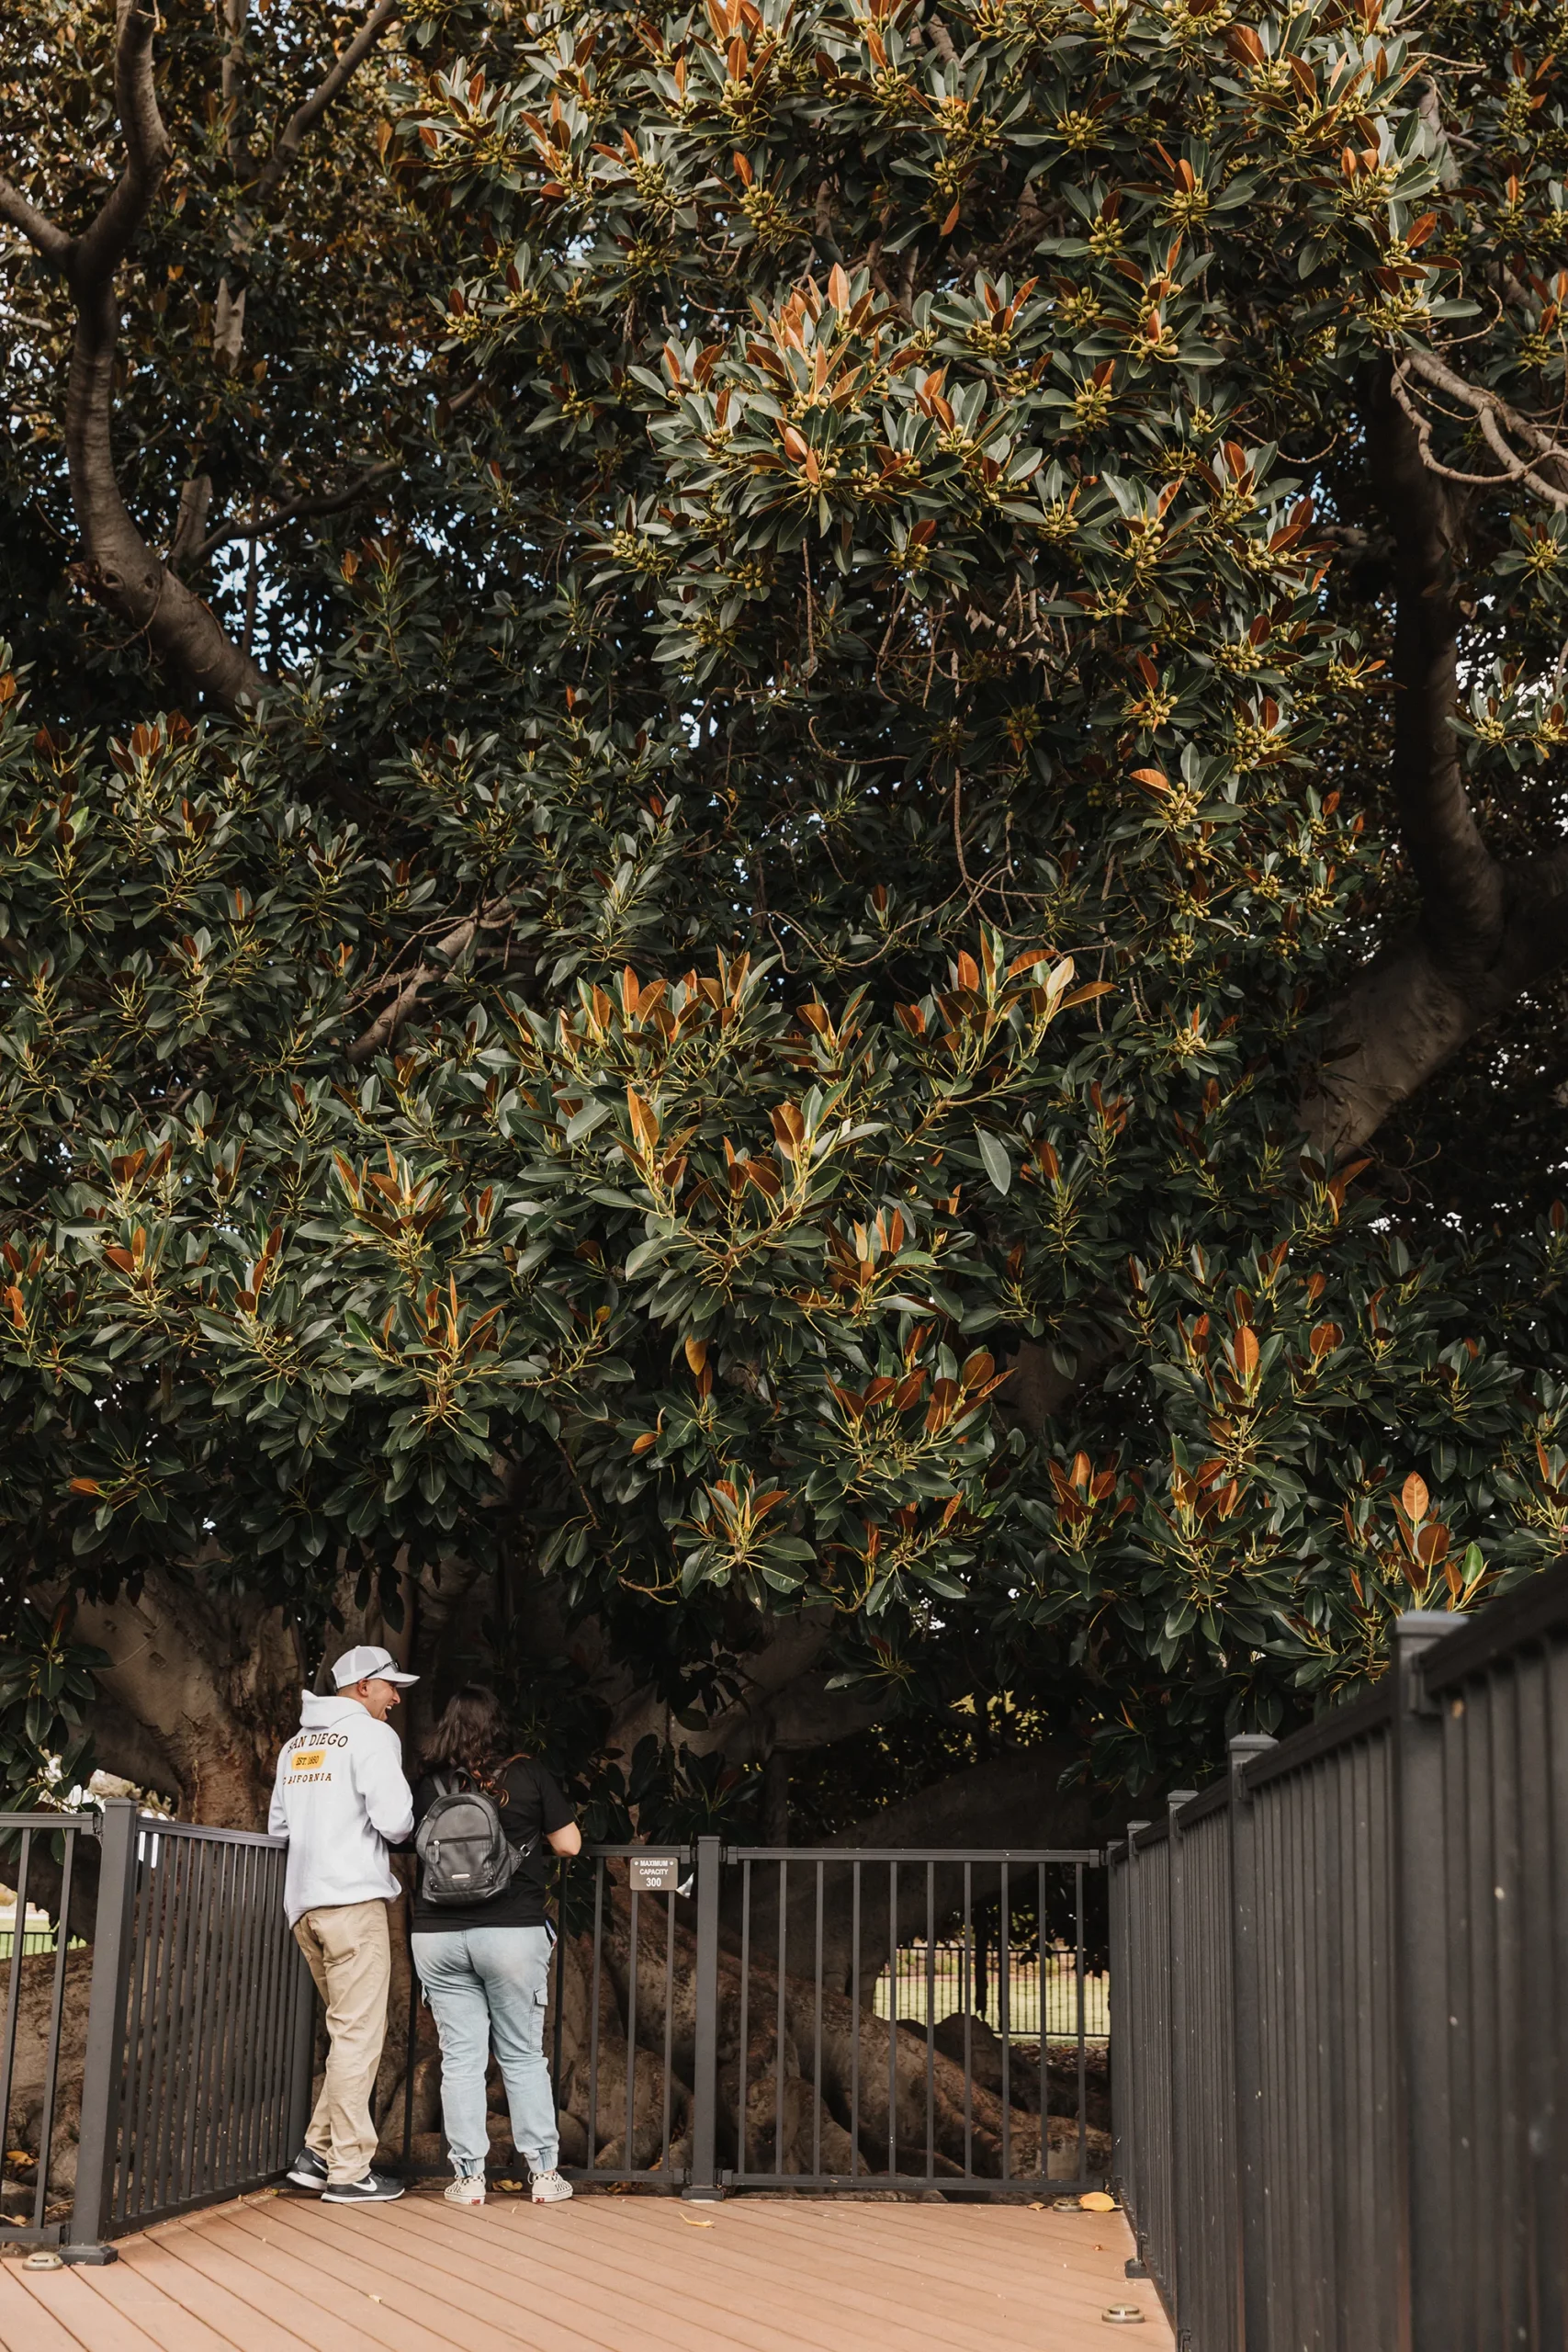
[192, 2079]
[832, 2020]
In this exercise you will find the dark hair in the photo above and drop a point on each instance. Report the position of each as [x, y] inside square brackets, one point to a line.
[471, 1734]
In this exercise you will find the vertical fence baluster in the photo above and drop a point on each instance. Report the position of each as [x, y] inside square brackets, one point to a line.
[817, 2041]
[56, 2013]
[1177, 2047]
[967, 1948]
[1080, 2022]
[783, 1941]
[669, 2028]
[1421, 1990]
[930, 2021]
[105, 2055]
[594, 2014]
[14, 1995]
[627, 2158]
[1044, 2022]
[743, 2119]
[1251, 2281]
[854, 2021]
[705, 2181]
[892, 2022]
[1004, 2022]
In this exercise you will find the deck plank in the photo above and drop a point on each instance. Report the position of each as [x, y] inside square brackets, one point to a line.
[163, 2323]
[241, 2326]
[449, 2305]
[97, 2324]
[604, 2291]
[279, 2273]
[748, 2264]
[26, 2324]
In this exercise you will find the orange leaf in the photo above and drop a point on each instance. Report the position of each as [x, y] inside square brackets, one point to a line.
[1415, 1497]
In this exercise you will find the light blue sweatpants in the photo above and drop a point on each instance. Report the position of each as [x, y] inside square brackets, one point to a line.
[487, 1989]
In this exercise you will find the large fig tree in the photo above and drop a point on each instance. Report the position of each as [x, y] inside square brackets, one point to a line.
[779, 874]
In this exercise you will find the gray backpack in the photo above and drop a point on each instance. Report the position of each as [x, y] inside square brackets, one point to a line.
[465, 1854]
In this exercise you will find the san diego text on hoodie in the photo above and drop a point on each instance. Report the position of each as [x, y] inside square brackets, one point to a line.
[341, 1799]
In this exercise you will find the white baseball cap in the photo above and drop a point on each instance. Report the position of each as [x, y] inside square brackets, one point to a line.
[367, 1663]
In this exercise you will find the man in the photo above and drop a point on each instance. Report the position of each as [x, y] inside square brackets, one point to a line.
[340, 1800]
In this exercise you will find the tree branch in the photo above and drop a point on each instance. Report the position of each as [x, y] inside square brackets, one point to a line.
[299, 509]
[46, 237]
[332, 502]
[99, 251]
[118, 567]
[304, 118]
[1496, 417]
[1486, 929]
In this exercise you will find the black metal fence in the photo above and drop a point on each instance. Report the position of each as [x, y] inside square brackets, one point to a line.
[170, 2064]
[719, 2020]
[1341, 2097]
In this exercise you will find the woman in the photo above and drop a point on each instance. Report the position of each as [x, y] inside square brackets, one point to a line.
[485, 1966]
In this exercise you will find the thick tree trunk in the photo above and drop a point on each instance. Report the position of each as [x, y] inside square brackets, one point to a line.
[200, 1691]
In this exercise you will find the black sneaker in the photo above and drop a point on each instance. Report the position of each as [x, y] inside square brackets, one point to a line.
[308, 2170]
[376, 2188]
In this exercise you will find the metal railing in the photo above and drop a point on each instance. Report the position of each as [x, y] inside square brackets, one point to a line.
[183, 2041]
[715, 2021]
[1341, 2093]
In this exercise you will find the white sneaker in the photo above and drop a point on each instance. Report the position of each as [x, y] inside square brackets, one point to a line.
[471, 2191]
[550, 2189]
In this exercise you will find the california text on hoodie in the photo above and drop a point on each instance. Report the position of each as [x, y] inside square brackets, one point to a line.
[340, 1798]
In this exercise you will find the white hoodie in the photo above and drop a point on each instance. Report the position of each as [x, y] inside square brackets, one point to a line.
[340, 1798]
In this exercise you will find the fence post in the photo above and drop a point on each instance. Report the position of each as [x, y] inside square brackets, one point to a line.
[1121, 2047]
[1246, 2047]
[1176, 1927]
[1133, 2188]
[1424, 2208]
[103, 2059]
[703, 2184]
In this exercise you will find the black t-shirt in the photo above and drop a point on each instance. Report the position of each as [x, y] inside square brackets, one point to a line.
[533, 1807]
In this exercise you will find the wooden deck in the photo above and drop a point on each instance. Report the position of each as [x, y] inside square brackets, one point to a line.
[281, 2273]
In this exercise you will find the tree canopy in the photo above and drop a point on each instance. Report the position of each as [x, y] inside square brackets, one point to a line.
[781, 890]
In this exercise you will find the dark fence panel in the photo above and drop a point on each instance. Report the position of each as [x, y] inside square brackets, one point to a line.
[1151, 2189]
[217, 2020]
[761, 2017]
[850, 2053]
[156, 2051]
[624, 2022]
[1202, 2071]
[40, 2066]
[1328, 2055]
[1501, 1696]
[1342, 2013]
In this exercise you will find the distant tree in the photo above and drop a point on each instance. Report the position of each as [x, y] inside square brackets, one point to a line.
[780, 885]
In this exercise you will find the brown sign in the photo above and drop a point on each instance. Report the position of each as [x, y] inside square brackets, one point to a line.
[654, 1874]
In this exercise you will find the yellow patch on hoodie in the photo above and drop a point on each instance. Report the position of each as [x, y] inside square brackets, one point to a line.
[307, 1760]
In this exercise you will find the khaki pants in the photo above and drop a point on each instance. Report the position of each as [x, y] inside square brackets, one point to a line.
[349, 1952]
